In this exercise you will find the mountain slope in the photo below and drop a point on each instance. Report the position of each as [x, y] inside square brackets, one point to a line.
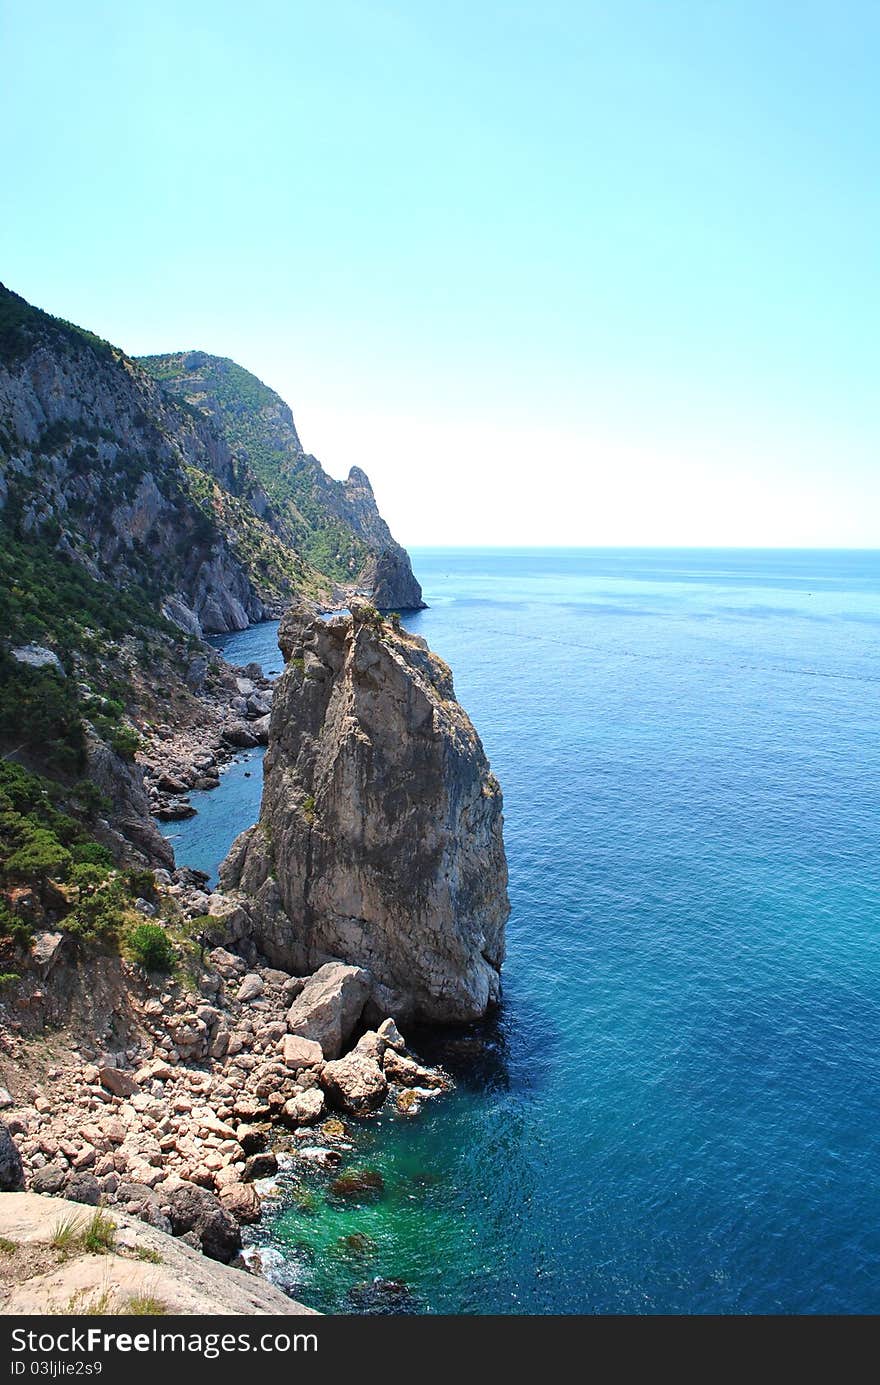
[128, 529]
[336, 525]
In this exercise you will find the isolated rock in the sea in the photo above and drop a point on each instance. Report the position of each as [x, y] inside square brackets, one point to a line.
[329, 1006]
[380, 833]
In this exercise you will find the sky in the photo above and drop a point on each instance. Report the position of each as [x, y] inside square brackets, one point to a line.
[552, 273]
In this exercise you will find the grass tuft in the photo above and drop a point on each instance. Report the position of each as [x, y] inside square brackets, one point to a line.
[99, 1235]
[66, 1233]
[146, 1305]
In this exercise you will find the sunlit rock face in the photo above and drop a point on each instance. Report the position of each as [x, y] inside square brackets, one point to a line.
[380, 833]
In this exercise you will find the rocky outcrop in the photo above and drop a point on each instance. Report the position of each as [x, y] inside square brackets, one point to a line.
[99, 459]
[142, 1264]
[380, 832]
[334, 524]
[386, 576]
[122, 784]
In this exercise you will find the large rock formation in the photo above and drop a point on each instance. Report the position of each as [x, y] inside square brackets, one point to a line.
[336, 525]
[380, 832]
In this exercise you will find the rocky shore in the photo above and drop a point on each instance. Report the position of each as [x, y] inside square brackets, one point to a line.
[182, 1100]
[234, 716]
[218, 1086]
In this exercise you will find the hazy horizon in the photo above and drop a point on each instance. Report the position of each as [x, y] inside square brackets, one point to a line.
[556, 275]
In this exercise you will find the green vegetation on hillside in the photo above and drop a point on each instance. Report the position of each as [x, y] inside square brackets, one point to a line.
[21, 325]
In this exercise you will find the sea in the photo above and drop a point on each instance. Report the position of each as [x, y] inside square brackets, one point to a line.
[677, 1107]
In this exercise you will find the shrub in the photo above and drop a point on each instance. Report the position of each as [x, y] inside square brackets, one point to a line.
[99, 916]
[89, 798]
[126, 742]
[13, 926]
[141, 883]
[87, 878]
[39, 857]
[92, 854]
[150, 947]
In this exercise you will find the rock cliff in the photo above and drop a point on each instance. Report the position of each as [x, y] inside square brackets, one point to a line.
[380, 832]
[336, 525]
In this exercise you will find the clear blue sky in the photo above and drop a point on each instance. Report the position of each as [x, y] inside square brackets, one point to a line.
[551, 272]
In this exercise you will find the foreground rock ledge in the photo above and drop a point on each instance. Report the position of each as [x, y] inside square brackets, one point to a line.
[144, 1264]
[380, 832]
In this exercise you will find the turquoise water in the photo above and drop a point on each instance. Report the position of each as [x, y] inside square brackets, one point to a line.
[678, 1109]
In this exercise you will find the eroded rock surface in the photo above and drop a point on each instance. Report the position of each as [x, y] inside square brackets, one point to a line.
[380, 833]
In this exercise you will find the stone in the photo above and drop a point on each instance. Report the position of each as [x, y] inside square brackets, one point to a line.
[250, 988]
[380, 832]
[329, 1006]
[241, 1201]
[240, 735]
[11, 1168]
[355, 1083]
[252, 1138]
[194, 1209]
[262, 1165]
[46, 948]
[371, 1044]
[229, 964]
[83, 1187]
[49, 1179]
[399, 1068]
[118, 1082]
[305, 1108]
[391, 1035]
[298, 1052]
[251, 1109]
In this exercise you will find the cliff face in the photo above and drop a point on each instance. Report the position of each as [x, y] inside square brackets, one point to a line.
[122, 480]
[336, 525]
[380, 832]
[387, 575]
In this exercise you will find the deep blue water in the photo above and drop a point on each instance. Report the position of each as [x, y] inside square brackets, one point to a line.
[679, 1109]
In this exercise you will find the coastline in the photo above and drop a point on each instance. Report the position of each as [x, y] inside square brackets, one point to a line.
[188, 1102]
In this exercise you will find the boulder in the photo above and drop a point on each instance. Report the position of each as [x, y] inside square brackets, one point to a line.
[298, 1052]
[262, 1165]
[306, 1107]
[372, 1044]
[241, 1201]
[252, 1138]
[49, 1179]
[260, 729]
[45, 949]
[195, 1210]
[11, 1169]
[118, 1082]
[391, 1035]
[229, 964]
[83, 1187]
[251, 987]
[399, 1068]
[240, 735]
[355, 1083]
[329, 1006]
